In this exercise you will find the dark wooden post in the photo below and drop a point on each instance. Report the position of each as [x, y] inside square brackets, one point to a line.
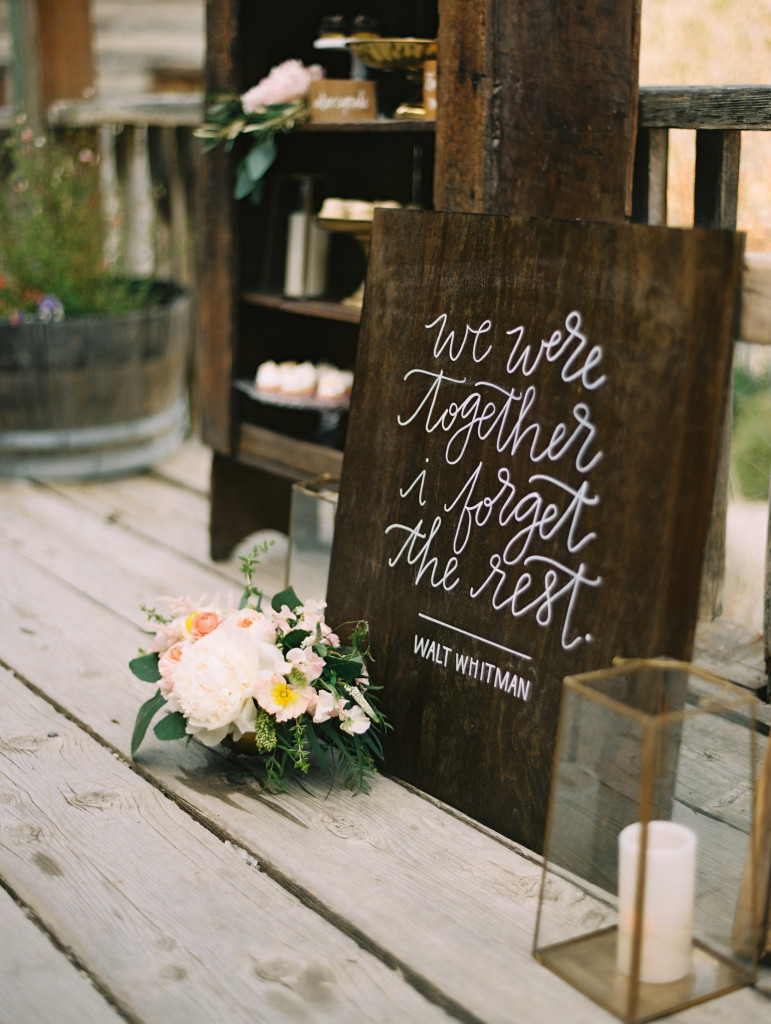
[715, 201]
[537, 107]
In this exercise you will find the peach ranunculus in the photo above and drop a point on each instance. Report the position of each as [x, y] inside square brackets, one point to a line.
[285, 83]
[201, 623]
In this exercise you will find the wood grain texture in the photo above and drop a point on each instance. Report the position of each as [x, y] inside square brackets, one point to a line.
[217, 244]
[37, 982]
[412, 871]
[109, 864]
[446, 532]
[537, 108]
[706, 106]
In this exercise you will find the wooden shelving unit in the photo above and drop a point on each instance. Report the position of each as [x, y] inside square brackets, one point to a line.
[245, 318]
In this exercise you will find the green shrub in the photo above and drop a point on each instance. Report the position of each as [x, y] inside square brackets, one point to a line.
[751, 443]
[53, 229]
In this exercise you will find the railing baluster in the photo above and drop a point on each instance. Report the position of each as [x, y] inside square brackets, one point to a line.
[716, 185]
[651, 167]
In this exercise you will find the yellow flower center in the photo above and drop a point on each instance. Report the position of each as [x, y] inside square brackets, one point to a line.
[282, 694]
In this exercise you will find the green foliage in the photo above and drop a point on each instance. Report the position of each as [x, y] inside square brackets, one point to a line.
[286, 597]
[751, 444]
[171, 727]
[145, 715]
[53, 229]
[252, 595]
[145, 667]
[226, 121]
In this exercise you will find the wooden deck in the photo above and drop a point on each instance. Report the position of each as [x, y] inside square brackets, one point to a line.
[170, 889]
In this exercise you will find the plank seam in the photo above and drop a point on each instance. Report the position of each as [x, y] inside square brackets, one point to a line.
[417, 981]
[69, 954]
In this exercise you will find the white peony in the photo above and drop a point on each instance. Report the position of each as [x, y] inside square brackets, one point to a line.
[216, 679]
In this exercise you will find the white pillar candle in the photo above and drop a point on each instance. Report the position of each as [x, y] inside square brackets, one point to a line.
[667, 910]
[305, 272]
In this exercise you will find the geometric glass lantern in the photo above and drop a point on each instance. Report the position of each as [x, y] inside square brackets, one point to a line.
[646, 897]
[311, 530]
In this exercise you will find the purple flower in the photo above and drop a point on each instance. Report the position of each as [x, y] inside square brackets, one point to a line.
[50, 309]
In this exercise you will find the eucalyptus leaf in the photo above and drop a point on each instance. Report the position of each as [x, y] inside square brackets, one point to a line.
[285, 597]
[260, 158]
[145, 715]
[172, 727]
[145, 667]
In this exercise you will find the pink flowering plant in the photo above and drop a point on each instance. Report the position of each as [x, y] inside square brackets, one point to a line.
[275, 683]
[276, 104]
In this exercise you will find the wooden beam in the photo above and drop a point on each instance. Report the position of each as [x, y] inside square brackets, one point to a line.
[66, 49]
[537, 107]
[53, 51]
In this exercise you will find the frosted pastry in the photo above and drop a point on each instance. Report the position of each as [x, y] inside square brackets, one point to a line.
[298, 378]
[334, 383]
[268, 377]
[332, 209]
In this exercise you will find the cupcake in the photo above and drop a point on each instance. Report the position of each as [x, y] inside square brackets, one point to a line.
[334, 383]
[298, 379]
[268, 376]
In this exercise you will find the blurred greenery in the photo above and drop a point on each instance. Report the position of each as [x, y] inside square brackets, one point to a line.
[751, 443]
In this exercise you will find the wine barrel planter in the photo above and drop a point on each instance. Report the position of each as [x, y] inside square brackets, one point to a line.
[95, 395]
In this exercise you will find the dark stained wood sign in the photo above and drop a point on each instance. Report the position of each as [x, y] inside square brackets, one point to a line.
[527, 479]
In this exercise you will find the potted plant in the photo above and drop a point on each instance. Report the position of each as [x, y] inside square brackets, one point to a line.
[93, 364]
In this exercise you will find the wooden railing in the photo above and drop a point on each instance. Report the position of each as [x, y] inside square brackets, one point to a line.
[719, 117]
[149, 168]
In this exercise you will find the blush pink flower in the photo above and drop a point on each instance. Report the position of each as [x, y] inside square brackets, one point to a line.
[169, 660]
[280, 698]
[256, 625]
[285, 83]
[326, 706]
[305, 660]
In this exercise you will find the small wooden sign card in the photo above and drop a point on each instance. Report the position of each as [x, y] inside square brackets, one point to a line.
[527, 479]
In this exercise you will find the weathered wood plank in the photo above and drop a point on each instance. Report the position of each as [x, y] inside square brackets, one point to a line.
[167, 110]
[38, 983]
[109, 562]
[404, 859]
[189, 467]
[556, 80]
[108, 863]
[169, 517]
[697, 106]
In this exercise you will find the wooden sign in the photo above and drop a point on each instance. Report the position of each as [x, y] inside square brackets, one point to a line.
[527, 479]
[341, 99]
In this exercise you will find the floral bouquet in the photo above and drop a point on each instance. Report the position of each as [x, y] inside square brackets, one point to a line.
[276, 104]
[278, 684]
